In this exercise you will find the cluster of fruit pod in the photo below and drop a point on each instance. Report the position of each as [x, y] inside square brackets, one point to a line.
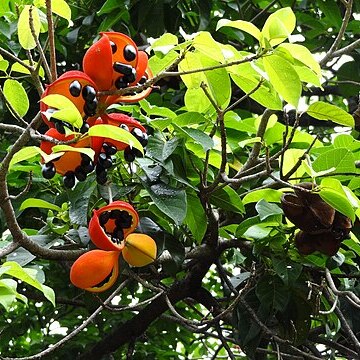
[110, 64]
[111, 229]
[322, 228]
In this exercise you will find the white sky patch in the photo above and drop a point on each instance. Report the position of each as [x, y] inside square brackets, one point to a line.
[56, 329]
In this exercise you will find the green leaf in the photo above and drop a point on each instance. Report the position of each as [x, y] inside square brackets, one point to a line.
[197, 136]
[23, 70]
[4, 64]
[284, 78]
[288, 272]
[61, 8]
[26, 38]
[32, 202]
[301, 53]
[108, 7]
[341, 159]
[172, 202]
[16, 95]
[29, 276]
[279, 26]
[25, 154]
[227, 199]
[206, 45]
[245, 26]
[7, 293]
[87, 151]
[270, 195]
[116, 133]
[195, 217]
[266, 209]
[158, 64]
[67, 111]
[164, 43]
[152, 110]
[189, 118]
[324, 111]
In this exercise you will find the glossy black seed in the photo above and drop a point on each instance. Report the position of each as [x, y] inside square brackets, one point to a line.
[121, 68]
[138, 153]
[88, 93]
[69, 179]
[109, 149]
[113, 47]
[115, 214]
[99, 169]
[80, 174]
[124, 220]
[131, 77]
[124, 126]
[117, 235]
[128, 154]
[90, 108]
[129, 53]
[101, 178]
[88, 168]
[104, 217]
[75, 88]
[48, 170]
[84, 128]
[140, 135]
[59, 126]
[120, 83]
[143, 80]
[105, 161]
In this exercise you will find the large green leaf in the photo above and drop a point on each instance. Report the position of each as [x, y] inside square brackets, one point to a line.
[227, 199]
[38, 203]
[279, 26]
[26, 38]
[16, 95]
[341, 159]
[284, 78]
[197, 136]
[324, 111]
[206, 45]
[115, 133]
[245, 26]
[172, 202]
[195, 217]
[270, 195]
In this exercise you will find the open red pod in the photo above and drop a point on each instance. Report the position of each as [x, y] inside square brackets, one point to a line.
[96, 270]
[72, 164]
[111, 224]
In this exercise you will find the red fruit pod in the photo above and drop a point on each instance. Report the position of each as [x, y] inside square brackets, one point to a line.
[70, 161]
[96, 270]
[111, 224]
[77, 87]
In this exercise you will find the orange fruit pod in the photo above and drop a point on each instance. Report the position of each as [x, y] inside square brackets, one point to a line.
[80, 89]
[96, 270]
[71, 165]
[111, 224]
[139, 250]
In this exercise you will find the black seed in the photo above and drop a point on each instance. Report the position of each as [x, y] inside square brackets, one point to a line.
[80, 173]
[129, 53]
[131, 77]
[48, 170]
[124, 220]
[99, 169]
[88, 93]
[105, 161]
[121, 68]
[128, 154]
[143, 80]
[69, 179]
[120, 83]
[141, 136]
[124, 126]
[59, 126]
[113, 47]
[115, 214]
[118, 235]
[138, 153]
[104, 217]
[75, 88]
[85, 159]
[84, 128]
[87, 164]
[90, 109]
[109, 149]
[101, 178]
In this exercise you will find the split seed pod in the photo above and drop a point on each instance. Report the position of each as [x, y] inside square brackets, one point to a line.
[96, 270]
[111, 224]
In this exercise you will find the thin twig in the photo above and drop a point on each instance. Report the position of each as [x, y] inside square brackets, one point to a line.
[51, 40]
